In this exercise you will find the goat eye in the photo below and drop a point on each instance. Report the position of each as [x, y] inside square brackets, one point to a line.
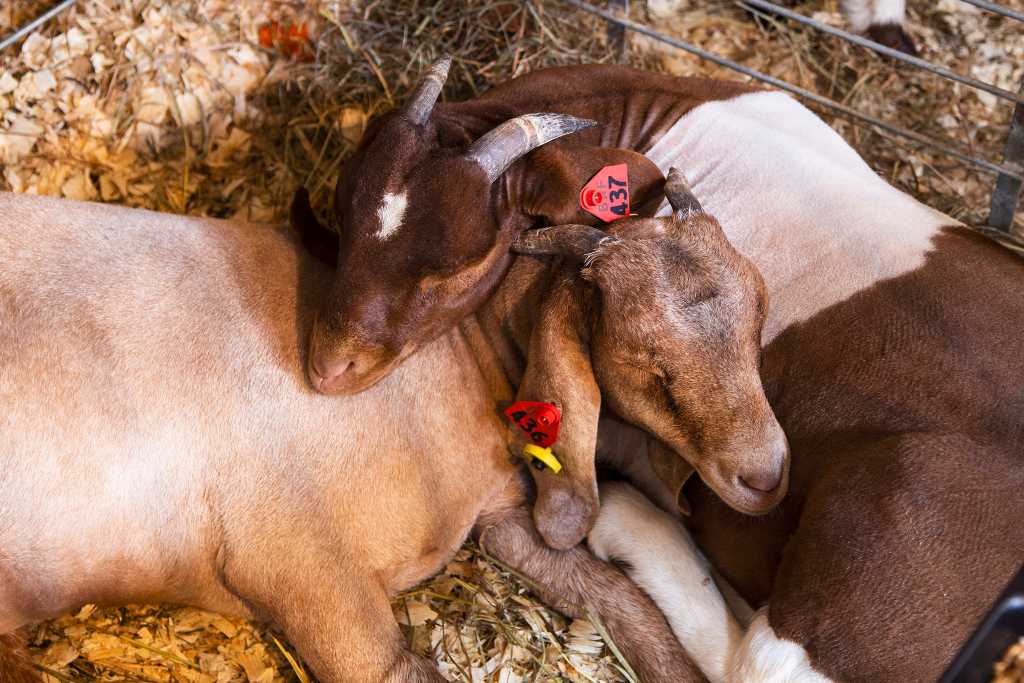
[651, 370]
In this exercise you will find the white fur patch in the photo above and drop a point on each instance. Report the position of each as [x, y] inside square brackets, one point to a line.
[797, 200]
[667, 566]
[390, 214]
[888, 12]
[765, 658]
[858, 14]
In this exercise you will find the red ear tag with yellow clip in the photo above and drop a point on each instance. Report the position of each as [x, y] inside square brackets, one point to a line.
[606, 196]
[539, 421]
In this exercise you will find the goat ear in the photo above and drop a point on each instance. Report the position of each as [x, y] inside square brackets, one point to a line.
[318, 240]
[558, 371]
[689, 215]
[559, 171]
[679, 194]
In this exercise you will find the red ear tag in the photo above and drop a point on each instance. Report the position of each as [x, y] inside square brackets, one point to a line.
[607, 194]
[539, 421]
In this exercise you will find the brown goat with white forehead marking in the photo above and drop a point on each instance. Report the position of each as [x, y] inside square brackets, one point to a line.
[427, 215]
[179, 454]
[459, 217]
[891, 361]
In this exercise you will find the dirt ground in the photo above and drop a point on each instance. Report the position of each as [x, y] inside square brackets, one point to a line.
[223, 108]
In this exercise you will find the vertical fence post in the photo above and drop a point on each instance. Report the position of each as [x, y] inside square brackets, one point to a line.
[1007, 190]
[617, 36]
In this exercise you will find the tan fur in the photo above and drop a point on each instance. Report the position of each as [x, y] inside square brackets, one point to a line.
[160, 442]
[15, 664]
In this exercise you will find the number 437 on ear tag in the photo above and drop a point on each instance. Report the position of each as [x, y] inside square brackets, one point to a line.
[607, 194]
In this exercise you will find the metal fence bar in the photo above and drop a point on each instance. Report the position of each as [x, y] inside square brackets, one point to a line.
[998, 9]
[1007, 191]
[797, 90]
[887, 51]
[35, 23]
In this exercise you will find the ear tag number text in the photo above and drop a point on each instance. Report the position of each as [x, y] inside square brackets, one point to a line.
[606, 195]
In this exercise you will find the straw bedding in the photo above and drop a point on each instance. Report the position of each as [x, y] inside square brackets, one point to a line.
[222, 108]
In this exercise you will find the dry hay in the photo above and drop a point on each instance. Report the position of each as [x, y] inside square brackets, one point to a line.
[178, 107]
[956, 35]
[1011, 668]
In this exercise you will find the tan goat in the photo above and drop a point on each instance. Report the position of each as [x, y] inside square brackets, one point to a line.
[160, 440]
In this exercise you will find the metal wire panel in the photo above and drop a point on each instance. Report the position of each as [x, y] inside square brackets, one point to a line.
[885, 50]
[998, 9]
[1010, 173]
[35, 23]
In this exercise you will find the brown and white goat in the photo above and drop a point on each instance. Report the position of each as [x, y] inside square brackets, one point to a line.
[159, 440]
[892, 356]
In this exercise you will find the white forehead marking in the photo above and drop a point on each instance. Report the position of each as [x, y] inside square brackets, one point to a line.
[390, 214]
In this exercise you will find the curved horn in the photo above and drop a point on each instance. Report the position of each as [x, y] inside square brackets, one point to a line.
[679, 194]
[505, 144]
[573, 241]
[424, 97]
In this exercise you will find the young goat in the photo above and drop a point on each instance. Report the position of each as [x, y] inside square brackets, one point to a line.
[160, 441]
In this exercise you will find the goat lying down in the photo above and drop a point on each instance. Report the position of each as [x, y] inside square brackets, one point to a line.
[160, 440]
[891, 357]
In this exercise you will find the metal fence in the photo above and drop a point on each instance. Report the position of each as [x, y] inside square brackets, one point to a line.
[1009, 173]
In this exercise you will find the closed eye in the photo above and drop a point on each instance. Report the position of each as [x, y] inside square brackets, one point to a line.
[670, 401]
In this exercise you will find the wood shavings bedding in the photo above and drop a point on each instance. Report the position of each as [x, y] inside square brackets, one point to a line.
[178, 107]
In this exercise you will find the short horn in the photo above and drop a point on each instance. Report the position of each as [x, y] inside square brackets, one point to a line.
[679, 194]
[573, 241]
[505, 144]
[424, 97]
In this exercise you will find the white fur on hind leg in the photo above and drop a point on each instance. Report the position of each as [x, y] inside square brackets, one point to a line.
[889, 12]
[763, 657]
[665, 563]
[860, 14]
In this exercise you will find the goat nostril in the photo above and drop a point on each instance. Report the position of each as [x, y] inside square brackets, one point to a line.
[765, 482]
[330, 371]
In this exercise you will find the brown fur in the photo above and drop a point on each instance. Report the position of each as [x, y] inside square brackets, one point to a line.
[576, 583]
[904, 519]
[15, 663]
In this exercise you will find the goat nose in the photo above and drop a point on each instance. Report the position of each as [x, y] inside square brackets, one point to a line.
[768, 477]
[327, 374]
[764, 481]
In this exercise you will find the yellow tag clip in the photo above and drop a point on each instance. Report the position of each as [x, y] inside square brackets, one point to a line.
[539, 457]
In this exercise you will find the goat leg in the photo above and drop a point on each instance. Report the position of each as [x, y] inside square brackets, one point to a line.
[342, 624]
[632, 530]
[15, 664]
[573, 581]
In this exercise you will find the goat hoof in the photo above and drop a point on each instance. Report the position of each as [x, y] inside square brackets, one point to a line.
[893, 35]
